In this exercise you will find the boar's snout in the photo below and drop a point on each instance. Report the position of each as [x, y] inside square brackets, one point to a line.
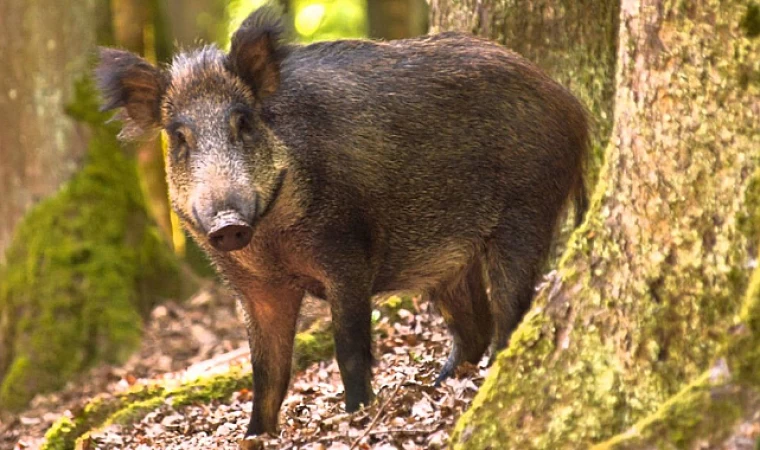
[226, 216]
[229, 232]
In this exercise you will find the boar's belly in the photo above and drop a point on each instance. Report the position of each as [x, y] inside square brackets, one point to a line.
[423, 269]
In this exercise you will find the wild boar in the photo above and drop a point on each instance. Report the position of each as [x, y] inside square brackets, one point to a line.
[346, 169]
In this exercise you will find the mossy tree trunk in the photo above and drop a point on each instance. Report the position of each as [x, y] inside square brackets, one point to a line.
[86, 262]
[40, 147]
[648, 294]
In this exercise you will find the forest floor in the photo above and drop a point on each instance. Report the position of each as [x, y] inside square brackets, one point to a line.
[206, 334]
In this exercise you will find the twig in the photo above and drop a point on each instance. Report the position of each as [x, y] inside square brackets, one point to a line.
[215, 362]
[336, 418]
[401, 431]
[376, 418]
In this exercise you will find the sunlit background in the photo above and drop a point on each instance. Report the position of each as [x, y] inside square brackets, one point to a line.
[313, 21]
[309, 20]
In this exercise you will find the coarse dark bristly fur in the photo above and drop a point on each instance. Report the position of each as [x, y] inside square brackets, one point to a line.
[347, 169]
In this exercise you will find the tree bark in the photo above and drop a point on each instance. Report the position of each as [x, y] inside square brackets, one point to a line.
[396, 19]
[198, 22]
[140, 26]
[649, 287]
[86, 263]
[41, 146]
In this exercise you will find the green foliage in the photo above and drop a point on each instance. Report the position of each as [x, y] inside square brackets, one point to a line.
[314, 344]
[237, 11]
[391, 306]
[57, 436]
[313, 20]
[327, 20]
[83, 265]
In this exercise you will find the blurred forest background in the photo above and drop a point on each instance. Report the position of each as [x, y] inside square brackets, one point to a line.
[645, 333]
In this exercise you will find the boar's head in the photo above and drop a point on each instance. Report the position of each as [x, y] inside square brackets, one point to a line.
[224, 165]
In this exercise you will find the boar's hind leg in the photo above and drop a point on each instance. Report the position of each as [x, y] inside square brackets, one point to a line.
[463, 303]
[351, 318]
[271, 317]
[513, 263]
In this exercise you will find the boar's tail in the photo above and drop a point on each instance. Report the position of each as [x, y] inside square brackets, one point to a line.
[581, 127]
[581, 202]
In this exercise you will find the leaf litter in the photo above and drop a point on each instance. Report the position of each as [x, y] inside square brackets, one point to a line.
[408, 413]
[207, 335]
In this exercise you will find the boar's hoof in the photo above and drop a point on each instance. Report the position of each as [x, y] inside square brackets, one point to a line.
[230, 237]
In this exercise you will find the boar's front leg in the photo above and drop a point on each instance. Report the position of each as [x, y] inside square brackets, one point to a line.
[271, 319]
[351, 318]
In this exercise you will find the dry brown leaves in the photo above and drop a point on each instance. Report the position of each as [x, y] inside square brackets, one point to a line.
[176, 336]
[409, 412]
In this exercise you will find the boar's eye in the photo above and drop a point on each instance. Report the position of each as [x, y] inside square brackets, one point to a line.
[179, 137]
[241, 124]
[180, 140]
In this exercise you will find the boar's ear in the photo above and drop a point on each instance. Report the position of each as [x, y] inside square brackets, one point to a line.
[128, 81]
[257, 50]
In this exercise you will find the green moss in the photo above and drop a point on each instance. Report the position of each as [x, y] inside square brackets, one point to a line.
[678, 423]
[314, 344]
[311, 345]
[486, 417]
[205, 390]
[64, 432]
[82, 267]
[751, 20]
[748, 220]
[390, 307]
[56, 436]
[135, 411]
[744, 350]
[708, 408]
[132, 406]
[9, 392]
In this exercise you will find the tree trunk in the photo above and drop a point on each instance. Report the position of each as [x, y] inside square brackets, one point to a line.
[41, 147]
[396, 19]
[85, 263]
[647, 294]
[140, 26]
[198, 22]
